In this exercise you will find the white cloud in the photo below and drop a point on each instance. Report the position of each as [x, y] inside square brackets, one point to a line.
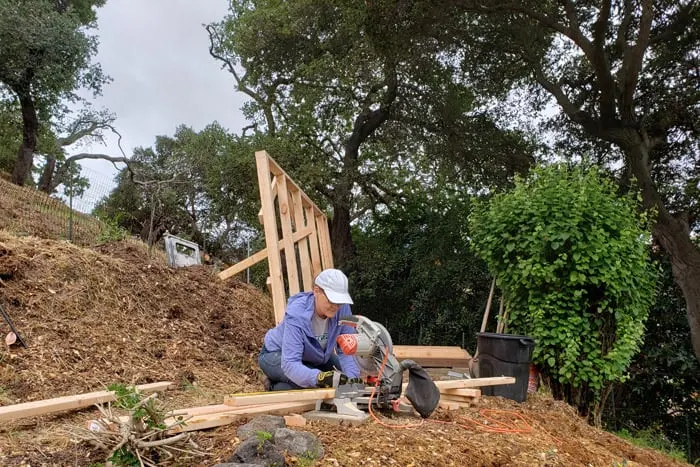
[157, 53]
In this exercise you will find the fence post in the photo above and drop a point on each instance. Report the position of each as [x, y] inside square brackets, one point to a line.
[70, 212]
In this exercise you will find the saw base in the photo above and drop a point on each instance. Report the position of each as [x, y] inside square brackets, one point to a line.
[336, 418]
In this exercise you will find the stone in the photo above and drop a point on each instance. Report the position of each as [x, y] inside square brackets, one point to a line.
[298, 443]
[264, 423]
[257, 452]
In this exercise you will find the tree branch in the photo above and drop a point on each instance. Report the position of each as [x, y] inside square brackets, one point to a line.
[632, 63]
[682, 19]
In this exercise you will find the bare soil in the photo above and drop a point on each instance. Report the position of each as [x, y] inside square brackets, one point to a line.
[110, 313]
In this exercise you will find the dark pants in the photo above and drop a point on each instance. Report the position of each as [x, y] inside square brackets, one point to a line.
[271, 364]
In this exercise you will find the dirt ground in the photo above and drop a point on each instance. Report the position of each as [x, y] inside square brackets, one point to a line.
[108, 314]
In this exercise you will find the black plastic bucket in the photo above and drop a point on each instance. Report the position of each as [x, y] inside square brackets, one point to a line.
[505, 355]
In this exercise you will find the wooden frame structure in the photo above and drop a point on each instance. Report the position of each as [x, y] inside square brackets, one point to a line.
[304, 239]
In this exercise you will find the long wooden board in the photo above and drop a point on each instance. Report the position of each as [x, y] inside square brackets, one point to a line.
[210, 416]
[60, 404]
[202, 422]
[255, 398]
[433, 356]
[465, 392]
[246, 399]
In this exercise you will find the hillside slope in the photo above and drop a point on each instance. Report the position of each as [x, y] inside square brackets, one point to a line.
[95, 316]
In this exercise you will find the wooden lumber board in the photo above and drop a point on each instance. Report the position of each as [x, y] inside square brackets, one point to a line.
[246, 399]
[474, 382]
[466, 392]
[417, 352]
[243, 265]
[290, 254]
[261, 255]
[60, 404]
[324, 240]
[262, 161]
[465, 399]
[259, 398]
[313, 242]
[303, 244]
[202, 422]
[211, 416]
[450, 405]
[275, 169]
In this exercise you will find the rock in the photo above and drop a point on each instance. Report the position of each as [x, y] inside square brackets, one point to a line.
[257, 452]
[298, 443]
[265, 423]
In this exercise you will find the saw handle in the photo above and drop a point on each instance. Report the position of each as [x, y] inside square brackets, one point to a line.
[347, 343]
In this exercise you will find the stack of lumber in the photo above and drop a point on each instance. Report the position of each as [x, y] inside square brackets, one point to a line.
[454, 394]
[453, 399]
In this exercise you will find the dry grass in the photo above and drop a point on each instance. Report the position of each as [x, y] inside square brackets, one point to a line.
[26, 211]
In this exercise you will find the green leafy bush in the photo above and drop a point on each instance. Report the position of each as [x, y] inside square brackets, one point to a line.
[571, 257]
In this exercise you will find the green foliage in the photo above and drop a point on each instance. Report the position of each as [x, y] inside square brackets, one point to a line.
[130, 399]
[37, 36]
[360, 91]
[572, 259]
[111, 230]
[653, 438]
[123, 457]
[663, 377]
[414, 274]
[197, 185]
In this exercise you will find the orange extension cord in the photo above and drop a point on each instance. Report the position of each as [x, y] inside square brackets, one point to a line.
[517, 424]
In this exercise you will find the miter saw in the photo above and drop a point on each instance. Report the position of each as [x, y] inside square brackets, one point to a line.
[381, 373]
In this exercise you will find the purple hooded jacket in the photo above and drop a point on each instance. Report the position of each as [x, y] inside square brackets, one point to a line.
[295, 338]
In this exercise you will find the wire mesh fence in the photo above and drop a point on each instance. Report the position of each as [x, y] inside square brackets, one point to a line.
[64, 215]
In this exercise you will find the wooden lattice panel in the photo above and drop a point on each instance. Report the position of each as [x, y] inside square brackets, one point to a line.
[293, 225]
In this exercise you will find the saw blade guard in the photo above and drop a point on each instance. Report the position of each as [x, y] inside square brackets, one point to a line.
[369, 346]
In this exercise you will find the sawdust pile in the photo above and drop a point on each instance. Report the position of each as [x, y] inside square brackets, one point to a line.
[92, 317]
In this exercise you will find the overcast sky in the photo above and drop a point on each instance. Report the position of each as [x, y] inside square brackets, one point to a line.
[156, 52]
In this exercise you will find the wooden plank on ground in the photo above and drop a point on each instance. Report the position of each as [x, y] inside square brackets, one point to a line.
[258, 398]
[466, 392]
[418, 352]
[474, 382]
[246, 399]
[60, 404]
[202, 422]
[464, 399]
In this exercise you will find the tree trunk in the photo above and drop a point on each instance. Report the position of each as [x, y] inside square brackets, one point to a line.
[46, 181]
[30, 129]
[341, 240]
[674, 236]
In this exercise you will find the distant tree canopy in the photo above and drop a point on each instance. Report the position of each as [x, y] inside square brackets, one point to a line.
[45, 56]
[625, 76]
[200, 185]
[572, 258]
[363, 89]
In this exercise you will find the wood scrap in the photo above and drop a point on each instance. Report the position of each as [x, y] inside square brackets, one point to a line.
[294, 420]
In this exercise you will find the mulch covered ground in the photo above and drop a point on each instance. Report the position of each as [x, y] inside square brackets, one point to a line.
[108, 314]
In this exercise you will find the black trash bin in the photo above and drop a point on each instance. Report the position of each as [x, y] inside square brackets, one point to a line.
[505, 355]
